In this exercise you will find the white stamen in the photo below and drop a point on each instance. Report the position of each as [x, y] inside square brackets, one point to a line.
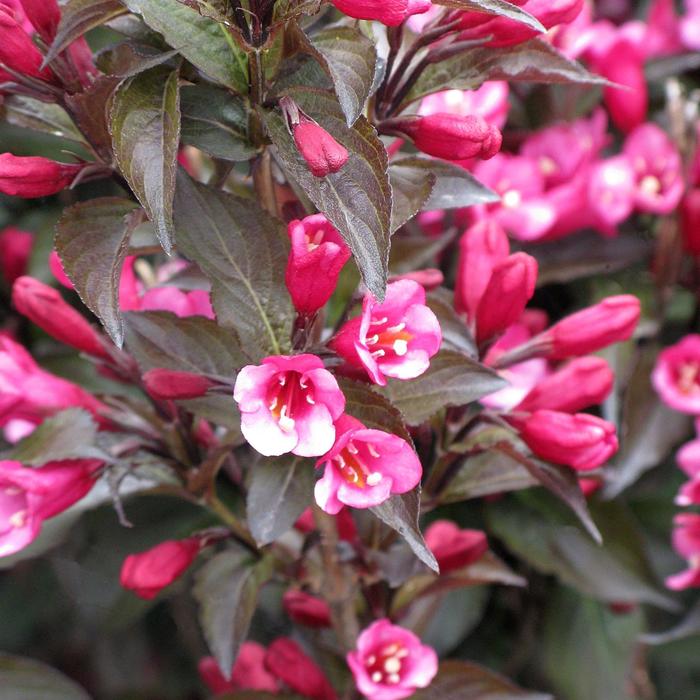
[282, 380]
[374, 478]
[379, 321]
[303, 384]
[371, 660]
[372, 450]
[19, 519]
[400, 347]
[397, 328]
[309, 399]
[401, 654]
[377, 676]
[392, 665]
[285, 422]
[372, 340]
[273, 405]
[511, 199]
[350, 447]
[393, 678]
[378, 353]
[13, 491]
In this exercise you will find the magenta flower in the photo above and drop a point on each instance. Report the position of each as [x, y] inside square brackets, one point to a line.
[688, 458]
[365, 467]
[676, 376]
[30, 496]
[490, 101]
[147, 573]
[395, 339]
[248, 672]
[289, 404]
[287, 661]
[686, 541]
[389, 12]
[453, 547]
[15, 248]
[390, 663]
[317, 255]
[34, 176]
[658, 169]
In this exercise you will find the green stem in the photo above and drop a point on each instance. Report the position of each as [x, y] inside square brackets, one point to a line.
[233, 523]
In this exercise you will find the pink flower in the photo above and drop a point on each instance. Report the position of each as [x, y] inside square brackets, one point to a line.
[15, 249]
[365, 467]
[44, 306]
[430, 278]
[30, 496]
[33, 176]
[347, 530]
[689, 26]
[56, 267]
[149, 572]
[688, 458]
[450, 136]
[168, 384]
[658, 169]
[18, 52]
[580, 441]
[583, 382]
[612, 190]
[289, 404]
[44, 16]
[676, 376]
[690, 221]
[389, 12]
[396, 338]
[686, 541]
[179, 302]
[286, 660]
[453, 547]
[305, 609]
[390, 663]
[248, 672]
[30, 394]
[317, 255]
[490, 102]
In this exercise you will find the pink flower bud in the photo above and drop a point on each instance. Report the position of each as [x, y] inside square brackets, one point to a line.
[686, 541]
[365, 467]
[428, 279]
[305, 609]
[676, 376]
[34, 176]
[690, 221]
[511, 286]
[168, 384]
[583, 382]
[390, 663]
[453, 547]
[248, 672]
[149, 572]
[611, 321]
[347, 530]
[317, 256]
[44, 306]
[44, 16]
[17, 50]
[389, 12]
[286, 660]
[15, 249]
[289, 404]
[30, 496]
[580, 441]
[56, 267]
[322, 153]
[396, 338]
[481, 248]
[451, 136]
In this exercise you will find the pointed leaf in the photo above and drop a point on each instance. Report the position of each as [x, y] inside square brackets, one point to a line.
[452, 380]
[145, 127]
[357, 199]
[79, 17]
[25, 679]
[533, 61]
[351, 58]
[205, 43]
[464, 680]
[92, 240]
[39, 116]
[226, 588]
[280, 489]
[500, 8]
[411, 189]
[455, 334]
[215, 121]
[243, 251]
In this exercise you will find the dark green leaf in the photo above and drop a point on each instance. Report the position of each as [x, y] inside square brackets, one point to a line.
[280, 489]
[40, 116]
[455, 334]
[79, 17]
[372, 409]
[70, 434]
[351, 58]
[286, 10]
[411, 188]
[130, 58]
[464, 680]
[226, 588]
[242, 250]
[410, 253]
[92, 240]
[589, 650]
[27, 679]
[401, 513]
[216, 121]
[145, 127]
[205, 43]
[193, 344]
[452, 380]
[357, 199]
[495, 7]
[532, 61]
